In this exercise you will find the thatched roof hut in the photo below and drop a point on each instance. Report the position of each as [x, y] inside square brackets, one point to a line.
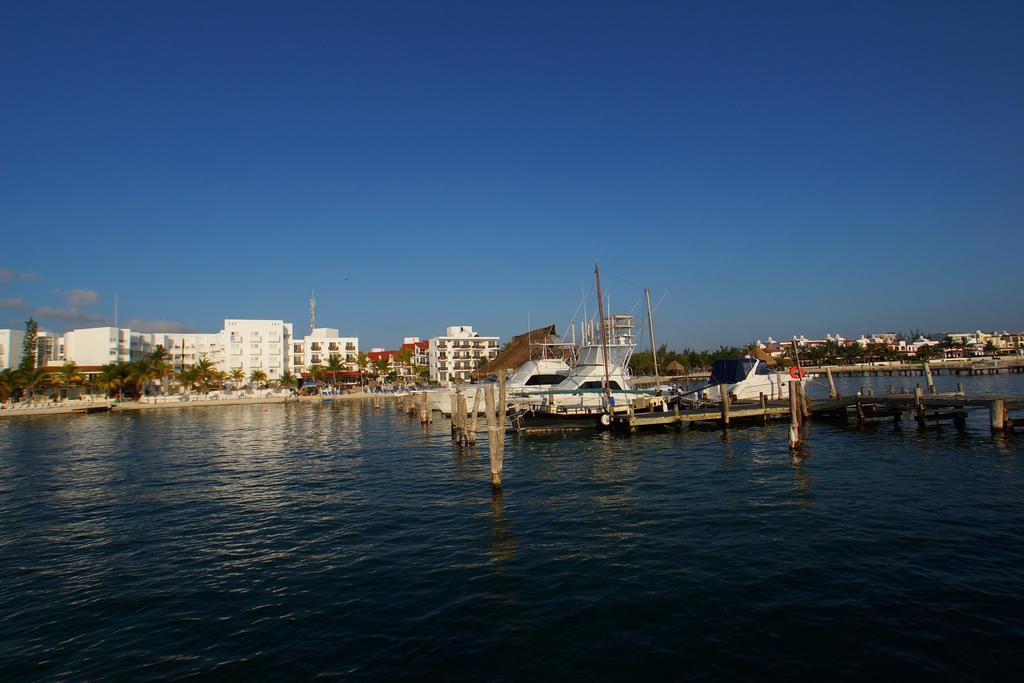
[675, 368]
[523, 347]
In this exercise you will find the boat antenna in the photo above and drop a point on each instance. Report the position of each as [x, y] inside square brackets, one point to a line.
[604, 338]
[654, 345]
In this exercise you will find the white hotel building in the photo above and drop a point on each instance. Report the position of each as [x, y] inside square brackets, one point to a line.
[317, 347]
[455, 355]
[247, 344]
[11, 342]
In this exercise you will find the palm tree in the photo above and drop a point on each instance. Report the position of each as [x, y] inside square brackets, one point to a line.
[68, 375]
[258, 377]
[381, 366]
[114, 376]
[32, 378]
[362, 361]
[237, 377]
[315, 372]
[8, 383]
[188, 378]
[205, 372]
[404, 357]
[334, 365]
[139, 374]
[159, 367]
[287, 380]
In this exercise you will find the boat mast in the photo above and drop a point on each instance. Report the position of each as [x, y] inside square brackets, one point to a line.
[654, 344]
[604, 338]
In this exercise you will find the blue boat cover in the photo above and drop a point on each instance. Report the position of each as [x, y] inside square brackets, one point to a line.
[730, 371]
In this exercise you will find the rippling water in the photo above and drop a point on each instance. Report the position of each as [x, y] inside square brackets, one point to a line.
[346, 542]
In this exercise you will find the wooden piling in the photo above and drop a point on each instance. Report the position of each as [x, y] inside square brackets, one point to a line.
[860, 411]
[472, 418]
[997, 414]
[764, 406]
[724, 389]
[454, 401]
[831, 383]
[494, 432]
[424, 409]
[795, 414]
[805, 403]
[928, 377]
[960, 388]
[919, 406]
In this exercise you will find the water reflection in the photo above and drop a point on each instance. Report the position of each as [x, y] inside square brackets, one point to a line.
[502, 545]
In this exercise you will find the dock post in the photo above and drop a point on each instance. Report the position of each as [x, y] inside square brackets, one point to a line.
[463, 419]
[455, 415]
[724, 388]
[919, 406]
[794, 416]
[424, 409]
[805, 403]
[831, 383]
[928, 377]
[997, 414]
[860, 411]
[472, 419]
[495, 430]
[960, 388]
[764, 407]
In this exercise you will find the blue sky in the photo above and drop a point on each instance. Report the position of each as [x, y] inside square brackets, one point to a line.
[765, 168]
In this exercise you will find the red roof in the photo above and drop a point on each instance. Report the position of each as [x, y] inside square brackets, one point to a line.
[422, 345]
[375, 356]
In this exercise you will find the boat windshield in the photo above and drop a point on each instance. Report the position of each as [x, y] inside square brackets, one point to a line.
[730, 371]
[536, 380]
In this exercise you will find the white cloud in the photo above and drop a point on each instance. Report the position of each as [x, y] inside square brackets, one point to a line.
[6, 275]
[138, 325]
[13, 303]
[73, 316]
[80, 297]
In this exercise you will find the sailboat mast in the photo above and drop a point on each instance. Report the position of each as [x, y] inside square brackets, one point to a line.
[654, 344]
[604, 337]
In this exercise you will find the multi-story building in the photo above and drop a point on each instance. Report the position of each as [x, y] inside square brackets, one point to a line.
[455, 355]
[93, 346]
[319, 345]
[11, 342]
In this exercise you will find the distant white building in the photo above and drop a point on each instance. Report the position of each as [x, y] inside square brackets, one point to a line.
[11, 342]
[94, 346]
[317, 347]
[455, 355]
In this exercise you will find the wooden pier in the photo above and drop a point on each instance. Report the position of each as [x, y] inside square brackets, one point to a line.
[1008, 366]
[864, 407]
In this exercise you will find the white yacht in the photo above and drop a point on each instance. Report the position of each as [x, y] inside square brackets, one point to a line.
[531, 377]
[746, 379]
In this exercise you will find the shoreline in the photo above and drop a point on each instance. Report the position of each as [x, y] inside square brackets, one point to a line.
[136, 406]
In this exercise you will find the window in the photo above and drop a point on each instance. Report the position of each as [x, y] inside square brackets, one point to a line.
[544, 379]
[613, 385]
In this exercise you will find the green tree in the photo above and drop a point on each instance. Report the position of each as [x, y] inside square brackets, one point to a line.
[362, 361]
[8, 383]
[237, 377]
[114, 376]
[335, 365]
[258, 377]
[28, 346]
[32, 379]
[69, 375]
[287, 381]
